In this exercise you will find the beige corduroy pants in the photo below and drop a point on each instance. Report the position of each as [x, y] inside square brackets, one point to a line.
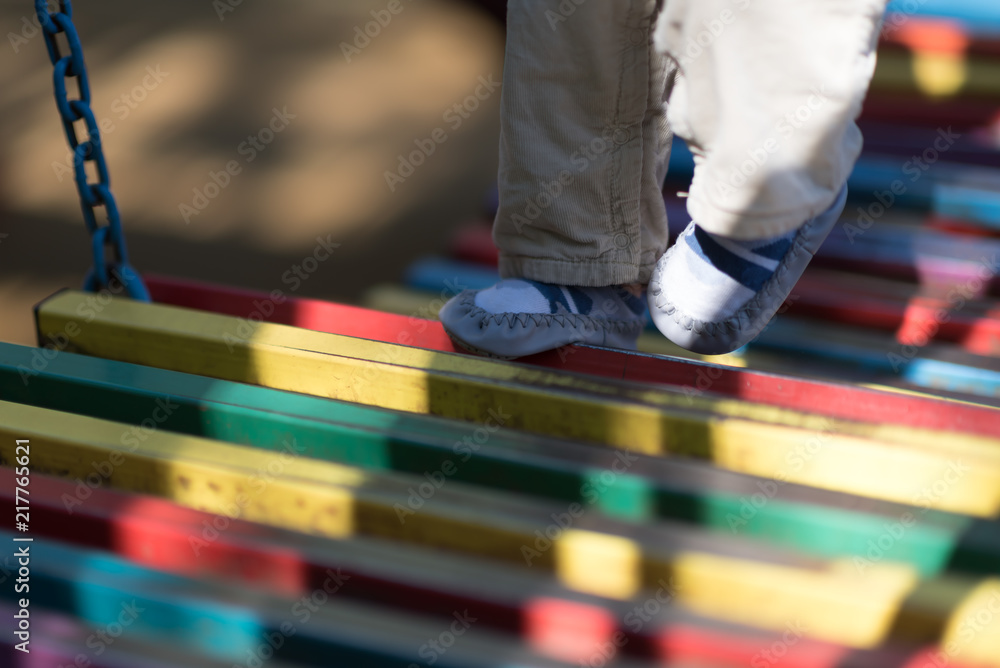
[765, 92]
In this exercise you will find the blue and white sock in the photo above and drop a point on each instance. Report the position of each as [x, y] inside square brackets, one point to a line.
[519, 295]
[712, 277]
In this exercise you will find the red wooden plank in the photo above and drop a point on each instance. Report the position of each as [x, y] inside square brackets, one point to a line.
[158, 534]
[966, 113]
[474, 243]
[306, 313]
[841, 401]
[155, 533]
[915, 318]
[939, 35]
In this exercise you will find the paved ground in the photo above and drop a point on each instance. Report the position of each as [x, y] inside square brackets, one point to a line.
[219, 83]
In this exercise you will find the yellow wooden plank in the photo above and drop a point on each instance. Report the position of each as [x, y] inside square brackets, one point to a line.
[882, 461]
[922, 394]
[834, 601]
[937, 74]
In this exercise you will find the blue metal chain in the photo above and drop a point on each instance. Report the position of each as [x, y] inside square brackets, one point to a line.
[92, 195]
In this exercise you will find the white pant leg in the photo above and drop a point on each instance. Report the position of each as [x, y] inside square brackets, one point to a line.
[767, 96]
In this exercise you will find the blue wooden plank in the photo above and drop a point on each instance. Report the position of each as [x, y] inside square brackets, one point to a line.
[441, 276]
[101, 590]
[230, 623]
[874, 174]
[952, 377]
[981, 17]
[968, 203]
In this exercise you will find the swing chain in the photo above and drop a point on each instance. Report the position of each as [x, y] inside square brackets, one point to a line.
[92, 195]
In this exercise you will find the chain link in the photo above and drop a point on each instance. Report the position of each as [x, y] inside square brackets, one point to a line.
[92, 195]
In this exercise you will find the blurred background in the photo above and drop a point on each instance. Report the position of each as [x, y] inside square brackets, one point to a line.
[180, 86]
[241, 137]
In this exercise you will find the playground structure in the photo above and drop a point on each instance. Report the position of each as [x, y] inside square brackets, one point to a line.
[225, 477]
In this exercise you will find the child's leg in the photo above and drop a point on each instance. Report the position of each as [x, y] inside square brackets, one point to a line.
[583, 153]
[582, 113]
[767, 99]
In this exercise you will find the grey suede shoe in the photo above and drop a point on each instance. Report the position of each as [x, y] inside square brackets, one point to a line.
[518, 317]
[724, 335]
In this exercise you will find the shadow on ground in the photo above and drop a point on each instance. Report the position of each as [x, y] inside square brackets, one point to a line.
[180, 92]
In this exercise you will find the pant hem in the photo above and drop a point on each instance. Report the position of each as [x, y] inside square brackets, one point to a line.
[583, 273]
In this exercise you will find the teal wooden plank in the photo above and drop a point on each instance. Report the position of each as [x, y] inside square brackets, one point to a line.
[229, 623]
[60, 641]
